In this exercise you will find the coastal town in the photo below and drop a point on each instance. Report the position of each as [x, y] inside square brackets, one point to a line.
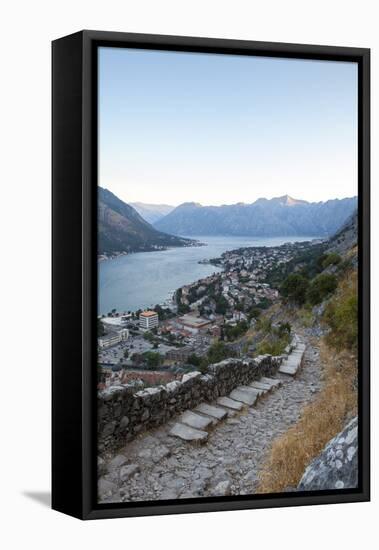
[160, 344]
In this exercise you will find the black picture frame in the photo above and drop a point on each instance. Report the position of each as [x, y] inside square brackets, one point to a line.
[74, 271]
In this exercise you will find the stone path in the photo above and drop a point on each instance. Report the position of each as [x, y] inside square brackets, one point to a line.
[206, 417]
[160, 466]
[292, 364]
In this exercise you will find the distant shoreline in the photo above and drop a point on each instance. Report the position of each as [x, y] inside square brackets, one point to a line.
[105, 257]
[131, 290]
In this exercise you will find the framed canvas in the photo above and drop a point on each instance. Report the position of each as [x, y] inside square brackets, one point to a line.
[210, 274]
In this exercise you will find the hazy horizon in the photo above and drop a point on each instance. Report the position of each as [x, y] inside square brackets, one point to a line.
[299, 199]
[179, 127]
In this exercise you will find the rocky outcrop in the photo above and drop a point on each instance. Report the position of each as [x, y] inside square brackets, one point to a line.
[123, 413]
[346, 237]
[337, 466]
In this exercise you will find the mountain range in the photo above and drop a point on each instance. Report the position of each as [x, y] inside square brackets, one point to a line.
[152, 213]
[122, 229]
[281, 216]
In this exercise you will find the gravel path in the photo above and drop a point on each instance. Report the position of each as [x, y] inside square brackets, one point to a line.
[156, 466]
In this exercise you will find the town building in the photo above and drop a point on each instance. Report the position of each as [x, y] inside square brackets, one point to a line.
[113, 338]
[148, 320]
[193, 324]
[117, 320]
[179, 354]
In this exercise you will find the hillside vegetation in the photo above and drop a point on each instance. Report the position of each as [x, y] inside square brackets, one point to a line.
[321, 420]
[321, 296]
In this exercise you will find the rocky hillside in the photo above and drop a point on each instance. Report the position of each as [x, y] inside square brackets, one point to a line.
[122, 229]
[346, 237]
[264, 218]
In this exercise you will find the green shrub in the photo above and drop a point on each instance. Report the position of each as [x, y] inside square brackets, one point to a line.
[254, 313]
[264, 325]
[234, 332]
[341, 315]
[183, 309]
[275, 347]
[305, 316]
[320, 287]
[294, 288]
[331, 259]
[276, 341]
[194, 360]
[153, 359]
[221, 305]
[217, 352]
[264, 303]
[283, 330]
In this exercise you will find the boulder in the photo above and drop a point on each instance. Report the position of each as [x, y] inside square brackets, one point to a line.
[337, 465]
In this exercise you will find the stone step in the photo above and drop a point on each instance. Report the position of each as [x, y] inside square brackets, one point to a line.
[288, 370]
[260, 385]
[292, 363]
[230, 403]
[211, 410]
[274, 383]
[297, 352]
[293, 360]
[188, 434]
[260, 391]
[245, 394]
[196, 421]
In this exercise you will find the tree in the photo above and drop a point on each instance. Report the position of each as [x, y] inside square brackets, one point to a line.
[264, 303]
[321, 286]
[234, 332]
[183, 308]
[148, 336]
[221, 305]
[294, 288]
[331, 259]
[254, 313]
[100, 328]
[153, 359]
[217, 352]
[137, 358]
[100, 374]
[194, 360]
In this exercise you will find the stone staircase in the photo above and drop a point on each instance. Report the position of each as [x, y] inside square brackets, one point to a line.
[194, 425]
[292, 363]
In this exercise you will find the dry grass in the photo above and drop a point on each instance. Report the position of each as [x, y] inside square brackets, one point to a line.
[320, 421]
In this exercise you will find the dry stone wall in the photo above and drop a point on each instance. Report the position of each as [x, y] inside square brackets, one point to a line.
[123, 413]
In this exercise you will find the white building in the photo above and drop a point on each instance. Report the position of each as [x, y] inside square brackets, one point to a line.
[118, 320]
[148, 320]
[113, 338]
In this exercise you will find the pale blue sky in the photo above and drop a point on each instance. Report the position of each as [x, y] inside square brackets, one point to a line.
[220, 129]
